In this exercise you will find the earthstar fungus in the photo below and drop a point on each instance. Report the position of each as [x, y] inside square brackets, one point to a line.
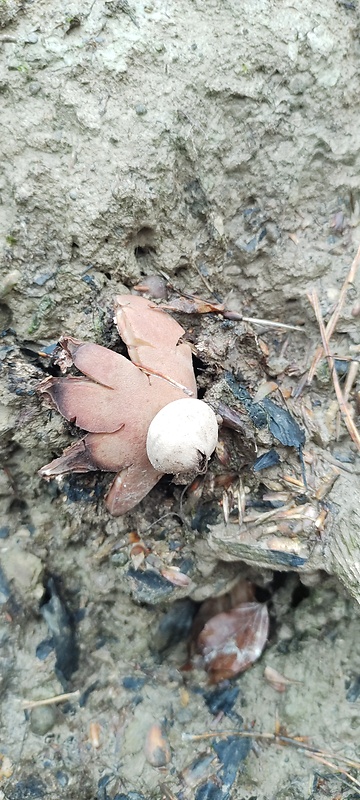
[116, 400]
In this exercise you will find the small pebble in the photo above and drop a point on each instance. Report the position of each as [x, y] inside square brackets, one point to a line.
[42, 277]
[285, 633]
[140, 109]
[44, 649]
[133, 683]
[42, 719]
[72, 194]
[34, 87]
[31, 38]
[9, 281]
[6, 767]
[62, 778]
[120, 559]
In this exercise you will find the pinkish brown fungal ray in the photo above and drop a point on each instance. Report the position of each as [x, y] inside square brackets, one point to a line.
[151, 337]
[130, 486]
[87, 404]
[102, 365]
[76, 458]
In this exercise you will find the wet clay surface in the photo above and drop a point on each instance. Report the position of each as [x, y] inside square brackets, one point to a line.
[221, 146]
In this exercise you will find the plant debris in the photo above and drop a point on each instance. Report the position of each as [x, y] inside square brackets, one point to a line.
[232, 641]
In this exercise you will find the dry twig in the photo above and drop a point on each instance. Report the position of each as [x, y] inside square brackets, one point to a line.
[343, 405]
[331, 325]
[27, 705]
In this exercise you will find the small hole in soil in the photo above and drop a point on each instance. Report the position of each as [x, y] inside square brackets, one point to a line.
[5, 316]
[299, 594]
[17, 506]
[146, 232]
[250, 201]
[279, 580]
[181, 269]
[141, 252]
[144, 242]
[199, 366]
[262, 595]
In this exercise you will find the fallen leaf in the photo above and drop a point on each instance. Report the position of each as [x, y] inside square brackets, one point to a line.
[175, 576]
[232, 641]
[278, 681]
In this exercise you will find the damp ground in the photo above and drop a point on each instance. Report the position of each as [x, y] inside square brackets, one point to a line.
[219, 146]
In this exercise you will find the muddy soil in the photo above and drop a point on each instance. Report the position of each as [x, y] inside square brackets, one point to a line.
[219, 145]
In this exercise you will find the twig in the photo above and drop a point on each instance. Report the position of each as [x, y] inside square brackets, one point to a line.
[344, 408]
[57, 698]
[350, 379]
[149, 371]
[321, 760]
[331, 325]
[204, 280]
[267, 322]
[219, 308]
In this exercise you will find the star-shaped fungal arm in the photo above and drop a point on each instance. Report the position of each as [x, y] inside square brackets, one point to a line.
[116, 400]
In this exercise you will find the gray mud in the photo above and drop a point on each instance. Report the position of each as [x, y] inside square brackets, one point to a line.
[218, 142]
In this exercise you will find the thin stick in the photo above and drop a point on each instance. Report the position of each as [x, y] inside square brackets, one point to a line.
[270, 324]
[344, 408]
[57, 698]
[204, 280]
[350, 379]
[319, 758]
[231, 315]
[149, 371]
[331, 325]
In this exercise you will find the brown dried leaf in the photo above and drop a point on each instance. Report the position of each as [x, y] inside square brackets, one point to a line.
[175, 576]
[278, 681]
[232, 641]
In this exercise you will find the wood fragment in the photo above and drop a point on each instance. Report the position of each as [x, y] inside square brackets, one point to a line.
[48, 701]
[94, 734]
